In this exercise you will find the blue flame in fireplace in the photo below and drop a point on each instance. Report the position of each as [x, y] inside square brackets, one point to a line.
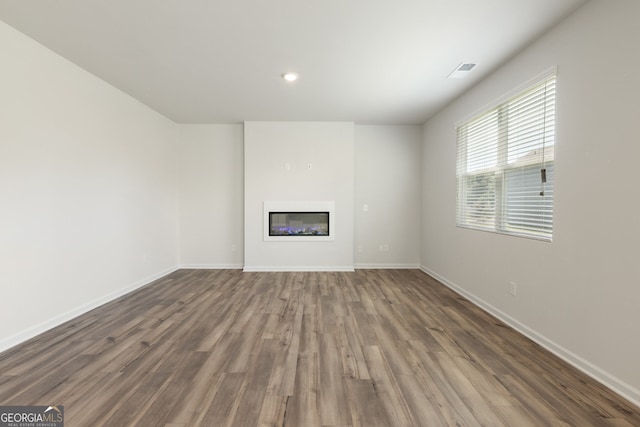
[298, 231]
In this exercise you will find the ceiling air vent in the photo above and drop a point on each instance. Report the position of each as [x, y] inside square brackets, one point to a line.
[461, 71]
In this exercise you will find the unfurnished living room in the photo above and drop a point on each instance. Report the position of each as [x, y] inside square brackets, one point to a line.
[330, 213]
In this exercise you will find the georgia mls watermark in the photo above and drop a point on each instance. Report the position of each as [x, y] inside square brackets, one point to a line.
[32, 416]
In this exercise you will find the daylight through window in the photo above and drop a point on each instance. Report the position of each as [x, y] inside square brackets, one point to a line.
[505, 165]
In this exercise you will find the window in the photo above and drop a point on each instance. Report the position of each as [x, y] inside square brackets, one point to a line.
[505, 165]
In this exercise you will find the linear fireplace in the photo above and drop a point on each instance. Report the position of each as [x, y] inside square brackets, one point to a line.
[299, 221]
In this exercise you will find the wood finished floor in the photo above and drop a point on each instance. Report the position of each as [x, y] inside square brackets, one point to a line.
[370, 348]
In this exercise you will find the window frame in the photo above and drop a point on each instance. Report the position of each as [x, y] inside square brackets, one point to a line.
[499, 171]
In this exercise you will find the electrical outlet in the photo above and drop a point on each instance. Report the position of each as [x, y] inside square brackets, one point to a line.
[381, 248]
[513, 288]
[233, 248]
[385, 247]
[360, 248]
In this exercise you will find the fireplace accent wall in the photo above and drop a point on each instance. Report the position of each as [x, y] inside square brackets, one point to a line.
[299, 221]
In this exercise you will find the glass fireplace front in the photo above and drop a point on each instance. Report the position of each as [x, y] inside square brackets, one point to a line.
[298, 223]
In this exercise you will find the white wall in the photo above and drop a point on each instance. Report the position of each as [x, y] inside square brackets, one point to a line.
[269, 146]
[211, 190]
[387, 177]
[88, 200]
[388, 181]
[580, 294]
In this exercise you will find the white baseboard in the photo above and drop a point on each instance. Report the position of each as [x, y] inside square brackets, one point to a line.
[31, 332]
[254, 268]
[612, 382]
[387, 266]
[211, 266]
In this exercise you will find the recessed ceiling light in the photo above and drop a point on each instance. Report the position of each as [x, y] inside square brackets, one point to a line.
[290, 77]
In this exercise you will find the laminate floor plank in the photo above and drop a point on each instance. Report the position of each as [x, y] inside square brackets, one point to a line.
[451, 406]
[311, 349]
[363, 402]
[332, 406]
[253, 389]
[224, 406]
[302, 407]
[387, 389]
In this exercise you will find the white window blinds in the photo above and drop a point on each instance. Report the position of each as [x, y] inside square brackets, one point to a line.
[505, 165]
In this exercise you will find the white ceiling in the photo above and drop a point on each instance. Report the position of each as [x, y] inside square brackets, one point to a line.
[212, 61]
